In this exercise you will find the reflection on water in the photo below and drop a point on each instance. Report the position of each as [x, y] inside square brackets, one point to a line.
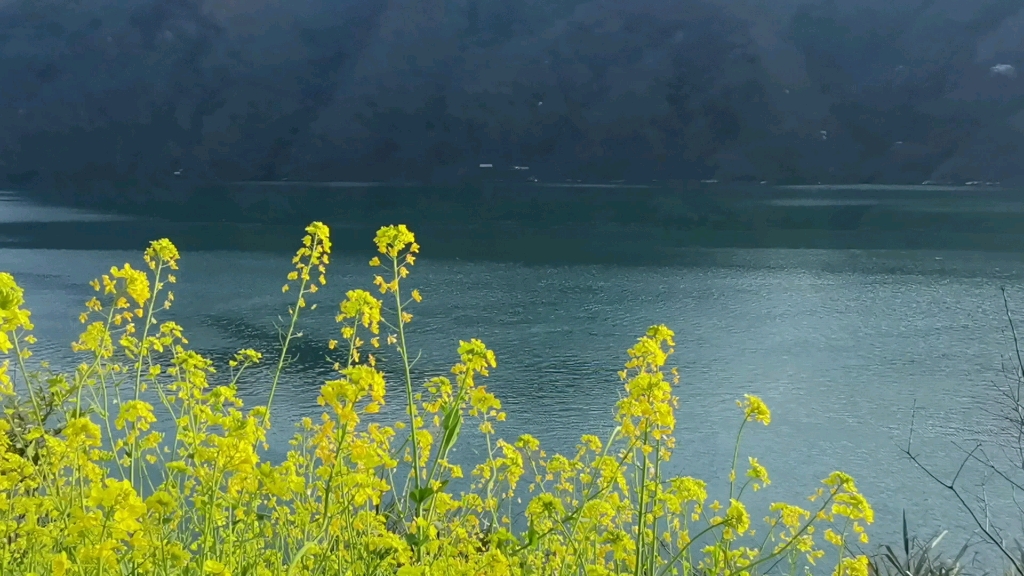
[821, 202]
[14, 210]
[840, 343]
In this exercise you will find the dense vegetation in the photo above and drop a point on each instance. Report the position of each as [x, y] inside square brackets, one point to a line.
[118, 96]
[143, 460]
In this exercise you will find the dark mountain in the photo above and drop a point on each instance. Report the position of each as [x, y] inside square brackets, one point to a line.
[113, 98]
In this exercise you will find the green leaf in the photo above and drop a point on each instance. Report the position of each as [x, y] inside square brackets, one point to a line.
[413, 540]
[421, 495]
[452, 425]
[298, 558]
[532, 536]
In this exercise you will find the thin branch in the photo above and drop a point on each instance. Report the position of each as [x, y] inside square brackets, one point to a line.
[962, 464]
[1013, 332]
[951, 486]
[1019, 373]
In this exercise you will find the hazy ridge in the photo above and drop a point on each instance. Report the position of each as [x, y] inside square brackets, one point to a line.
[113, 98]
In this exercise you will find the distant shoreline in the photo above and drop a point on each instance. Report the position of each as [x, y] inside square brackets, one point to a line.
[795, 187]
[894, 187]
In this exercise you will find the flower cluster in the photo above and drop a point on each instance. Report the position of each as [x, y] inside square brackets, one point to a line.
[145, 461]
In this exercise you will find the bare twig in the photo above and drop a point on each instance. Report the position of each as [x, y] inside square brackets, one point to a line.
[1016, 342]
[1018, 373]
[991, 535]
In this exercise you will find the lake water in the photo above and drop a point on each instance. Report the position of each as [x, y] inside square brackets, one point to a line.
[840, 343]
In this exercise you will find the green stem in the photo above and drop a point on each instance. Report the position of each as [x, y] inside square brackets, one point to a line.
[732, 481]
[683, 550]
[339, 439]
[404, 353]
[106, 423]
[652, 557]
[641, 508]
[24, 374]
[842, 548]
[446, 449]
[492, 479]
[735, 459]
[288, 338]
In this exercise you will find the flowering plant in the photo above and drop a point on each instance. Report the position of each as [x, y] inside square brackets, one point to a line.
[144, 459]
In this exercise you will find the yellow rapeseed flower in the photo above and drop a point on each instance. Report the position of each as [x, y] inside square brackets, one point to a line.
[755, 409]
[856, 566]
[790, 516]
[391, 240]
[215, 568]
[758, 473]
[736, 517]
[11, 295]
[162, 252]
[363, 307]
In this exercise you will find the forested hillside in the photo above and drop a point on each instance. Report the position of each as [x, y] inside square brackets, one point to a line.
[155, 95]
